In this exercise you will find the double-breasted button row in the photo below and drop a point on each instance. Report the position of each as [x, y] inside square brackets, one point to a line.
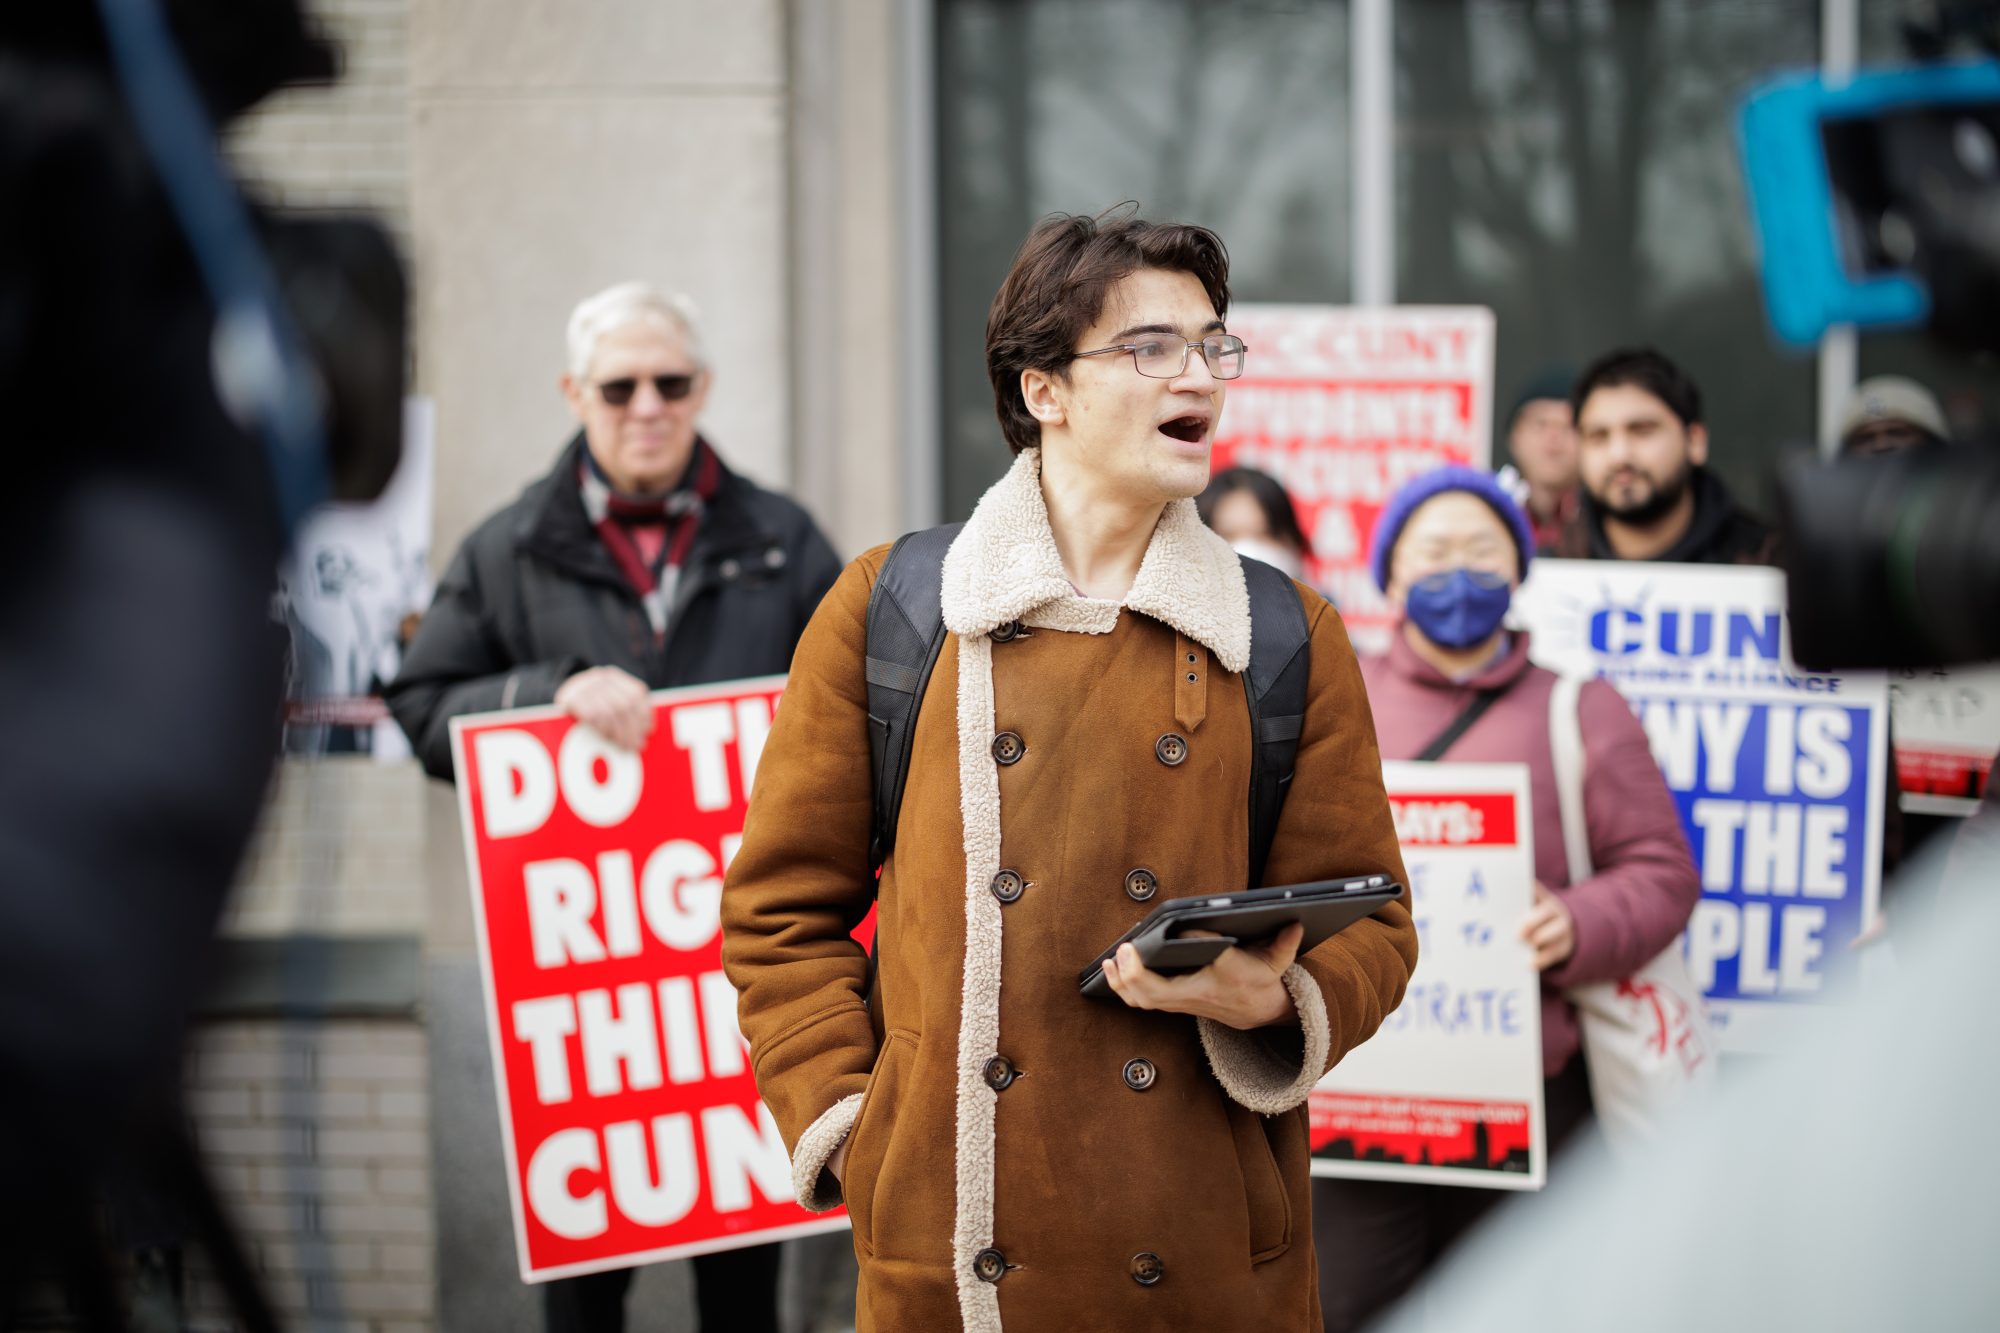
[1140, 1074]
[990, 1265]
[1140, 885]
[1171, 749]
[999, 1073]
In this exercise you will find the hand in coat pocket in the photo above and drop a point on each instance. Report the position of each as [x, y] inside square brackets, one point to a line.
[1244, 988]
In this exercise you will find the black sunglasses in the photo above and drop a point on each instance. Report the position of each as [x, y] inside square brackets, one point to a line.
[618, 392]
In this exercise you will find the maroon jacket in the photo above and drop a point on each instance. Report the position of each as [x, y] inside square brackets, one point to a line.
[1645, 886]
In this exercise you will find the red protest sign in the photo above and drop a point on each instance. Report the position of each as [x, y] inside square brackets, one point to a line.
[1342, 405]
[1454, 819]
[632, 1124]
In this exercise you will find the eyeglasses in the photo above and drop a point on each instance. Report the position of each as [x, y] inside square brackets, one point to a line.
[1164, 358]
[618, 392]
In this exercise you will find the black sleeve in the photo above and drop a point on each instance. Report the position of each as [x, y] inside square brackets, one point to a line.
[459, 664]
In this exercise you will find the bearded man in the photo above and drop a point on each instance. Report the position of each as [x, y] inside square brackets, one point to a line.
[1647, 490]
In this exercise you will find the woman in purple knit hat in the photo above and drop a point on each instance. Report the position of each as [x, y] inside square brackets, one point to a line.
[1449, 550]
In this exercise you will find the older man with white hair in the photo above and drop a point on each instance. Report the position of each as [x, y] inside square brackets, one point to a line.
[638, 563]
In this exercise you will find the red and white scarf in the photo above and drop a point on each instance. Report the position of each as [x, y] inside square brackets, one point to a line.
[648, 536]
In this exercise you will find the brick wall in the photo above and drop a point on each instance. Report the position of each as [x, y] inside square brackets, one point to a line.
[319, 1141]
[341, 849]
[347, 145]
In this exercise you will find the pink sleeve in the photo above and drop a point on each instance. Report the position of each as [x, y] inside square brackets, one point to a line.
[1645, 885]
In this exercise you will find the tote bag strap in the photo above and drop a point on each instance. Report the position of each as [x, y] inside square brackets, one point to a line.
[1566, 750]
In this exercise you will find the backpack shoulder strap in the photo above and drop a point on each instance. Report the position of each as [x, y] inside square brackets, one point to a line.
[905, 632]
[1275, 685]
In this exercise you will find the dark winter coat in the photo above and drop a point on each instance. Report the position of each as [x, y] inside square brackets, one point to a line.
[532, 598]
[1722, 533]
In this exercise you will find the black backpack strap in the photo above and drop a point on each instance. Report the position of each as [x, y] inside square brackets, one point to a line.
[905, 632]
[1275, 684]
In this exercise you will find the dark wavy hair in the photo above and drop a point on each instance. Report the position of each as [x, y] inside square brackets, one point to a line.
[1281, 518]
[1056, 290]
[1642, 368]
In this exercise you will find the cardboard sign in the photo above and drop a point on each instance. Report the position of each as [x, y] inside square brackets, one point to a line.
[1343, 405]
[1777, 772]
[1449, 1091]
[1947, 728]
[632, 1124]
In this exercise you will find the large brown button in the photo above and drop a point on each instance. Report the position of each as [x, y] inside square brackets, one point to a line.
[1008, 885]
[991, 1266]
[1140, 1074]
[1008, 632]
[1008, 747]
[1171, 748]
[1141, 884]
[999, 1072]
[1147, 1268]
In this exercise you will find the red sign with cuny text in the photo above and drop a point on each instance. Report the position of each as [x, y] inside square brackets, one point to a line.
[632, 1124]
[1343, 404]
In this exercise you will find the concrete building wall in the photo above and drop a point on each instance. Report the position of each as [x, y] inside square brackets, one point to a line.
[343, 849]
[557, 150]
[859, 239]
[526, 153]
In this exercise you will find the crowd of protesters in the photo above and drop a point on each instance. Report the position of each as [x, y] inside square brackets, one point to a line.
[641, 562]
[1610, 465]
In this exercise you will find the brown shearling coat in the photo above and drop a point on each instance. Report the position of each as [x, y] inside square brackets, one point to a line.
[1114, 1144]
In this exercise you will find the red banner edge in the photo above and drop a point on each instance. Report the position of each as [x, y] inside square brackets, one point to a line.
[818, 1226]
[459, 768]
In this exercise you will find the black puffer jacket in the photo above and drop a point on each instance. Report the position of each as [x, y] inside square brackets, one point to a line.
[532, 598]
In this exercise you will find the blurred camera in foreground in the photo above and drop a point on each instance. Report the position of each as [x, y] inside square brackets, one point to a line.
[1893, 560]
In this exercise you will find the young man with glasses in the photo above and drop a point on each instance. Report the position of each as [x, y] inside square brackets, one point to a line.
[639, 563]
[1007, 1149]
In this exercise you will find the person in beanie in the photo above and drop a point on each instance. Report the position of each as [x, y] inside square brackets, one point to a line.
[1541, 441]
[639, 563]
[1449, 550]
[1890, 414]
[1647, 490]
[1010, 1153]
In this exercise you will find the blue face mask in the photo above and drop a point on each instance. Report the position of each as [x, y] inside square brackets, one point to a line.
[1458, 608]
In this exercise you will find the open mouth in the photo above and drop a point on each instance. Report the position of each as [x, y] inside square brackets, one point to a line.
[1188, 429]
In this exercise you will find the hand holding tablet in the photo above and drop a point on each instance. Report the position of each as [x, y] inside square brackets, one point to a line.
[1166, 944]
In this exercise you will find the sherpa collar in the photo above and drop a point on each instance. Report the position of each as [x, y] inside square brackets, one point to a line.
[1004, 566]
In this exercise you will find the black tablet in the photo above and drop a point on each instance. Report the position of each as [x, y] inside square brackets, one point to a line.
[1326, 907]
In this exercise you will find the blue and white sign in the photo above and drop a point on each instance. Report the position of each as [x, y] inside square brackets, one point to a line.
[1778, 773]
